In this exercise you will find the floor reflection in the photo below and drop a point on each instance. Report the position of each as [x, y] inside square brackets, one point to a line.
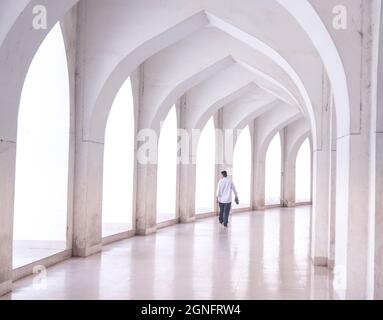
[262, 255]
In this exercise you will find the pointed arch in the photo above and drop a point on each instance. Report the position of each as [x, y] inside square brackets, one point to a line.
[167, 168]
[205, 168]
[303, 173]
[273, 172]
[41, 185]
[117, 204]
[242, 167]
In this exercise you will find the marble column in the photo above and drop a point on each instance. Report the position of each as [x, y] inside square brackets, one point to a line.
[87, 218]
[7, 187]
[332, 190]
[321, 178]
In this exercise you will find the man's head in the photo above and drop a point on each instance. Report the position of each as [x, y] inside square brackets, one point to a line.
[224, 174]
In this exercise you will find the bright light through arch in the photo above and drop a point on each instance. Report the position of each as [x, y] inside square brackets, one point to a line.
[205, 169]
[167, 168]
[242, 168]
[273, 172]
[303, 173]
[41, 186]
[117, 204]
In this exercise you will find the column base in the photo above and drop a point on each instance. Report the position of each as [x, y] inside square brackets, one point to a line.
[320, 261]
[5, 287]
[378, 293]
[86, 252]
[259, 208]
[187, 219]
[289, 204]
[147, 231]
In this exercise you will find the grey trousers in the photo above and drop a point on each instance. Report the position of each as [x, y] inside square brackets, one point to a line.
[224, 211]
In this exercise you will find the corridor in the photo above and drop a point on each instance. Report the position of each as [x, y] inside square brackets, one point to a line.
[262, 255]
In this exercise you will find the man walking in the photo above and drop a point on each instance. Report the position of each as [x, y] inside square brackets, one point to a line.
[224, 198]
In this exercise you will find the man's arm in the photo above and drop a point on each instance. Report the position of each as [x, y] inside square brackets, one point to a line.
[218, 193]
[234, 189]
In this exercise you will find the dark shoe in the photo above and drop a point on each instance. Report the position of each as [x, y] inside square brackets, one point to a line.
[225, 225]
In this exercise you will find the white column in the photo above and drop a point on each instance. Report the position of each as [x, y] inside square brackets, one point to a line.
[353, 176]
[146, 206]
[332, 189]
[320, 223]
[375, 263]
[258, 173]
[220, 159]
[7, 187]
[375, 250]
[252, 186]
[187, 194]
[89, 156]
[321, 177]
[289, 173]
[351, 232]
[187, 169]
[87, 219]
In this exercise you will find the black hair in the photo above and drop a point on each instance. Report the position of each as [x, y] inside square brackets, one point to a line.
[224, 173]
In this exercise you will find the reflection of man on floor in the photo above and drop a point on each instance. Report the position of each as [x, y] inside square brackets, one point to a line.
[224, 198]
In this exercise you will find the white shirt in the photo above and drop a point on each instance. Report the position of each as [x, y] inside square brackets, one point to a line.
[224, 190]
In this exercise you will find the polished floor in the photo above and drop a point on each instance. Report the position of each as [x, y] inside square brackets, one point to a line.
[26, 252]
[262, 255]
[109, 229]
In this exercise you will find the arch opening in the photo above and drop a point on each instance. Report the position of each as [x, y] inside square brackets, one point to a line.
[205, 169]
[303, 173]
[117, 204]
[167, 168]
[42, 158]
[242, 168]
[273, 171]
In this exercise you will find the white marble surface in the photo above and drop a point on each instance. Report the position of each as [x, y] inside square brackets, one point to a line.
[109, 229]
[262, 255]
[26, 252]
